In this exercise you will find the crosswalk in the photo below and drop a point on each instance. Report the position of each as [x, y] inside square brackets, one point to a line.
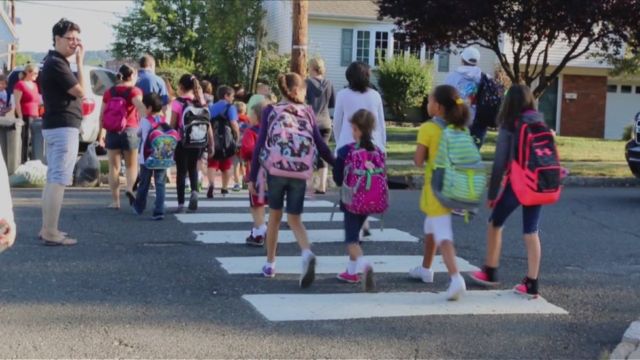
[225, 214]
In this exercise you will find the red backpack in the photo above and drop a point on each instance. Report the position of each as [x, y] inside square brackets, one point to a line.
[535, 171]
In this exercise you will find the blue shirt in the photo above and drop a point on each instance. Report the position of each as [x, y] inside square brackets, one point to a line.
[149, 82]
[219, 107]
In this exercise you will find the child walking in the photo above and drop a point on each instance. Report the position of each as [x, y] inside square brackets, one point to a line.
[444, 103]
[518, 108]
[238, 164]
[289, 137]
[349, 158]
[154, 119]
[256, 205]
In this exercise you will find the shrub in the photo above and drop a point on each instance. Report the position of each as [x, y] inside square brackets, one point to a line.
[273, 64]
[172, 70]
[404, 83]
[627, 133]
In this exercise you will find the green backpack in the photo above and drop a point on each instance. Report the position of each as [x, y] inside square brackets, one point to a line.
[459, 177]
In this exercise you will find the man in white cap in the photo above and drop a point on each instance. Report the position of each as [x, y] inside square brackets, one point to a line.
[466, 78]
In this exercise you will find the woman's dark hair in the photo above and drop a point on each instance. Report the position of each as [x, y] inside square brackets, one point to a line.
[358, 76]
[518, 99]
[153, 101]
[365, 121]
[62, 27]
[189, 82]
[456, 112]
[288, 82]
[223, 91]
[125, 73]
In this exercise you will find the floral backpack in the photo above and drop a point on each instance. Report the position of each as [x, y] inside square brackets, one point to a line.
[364, 190]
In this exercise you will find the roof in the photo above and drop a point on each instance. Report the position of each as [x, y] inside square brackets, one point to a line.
[349, 9]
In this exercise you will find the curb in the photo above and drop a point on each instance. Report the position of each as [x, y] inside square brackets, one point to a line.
[629, 348]
[417, 181]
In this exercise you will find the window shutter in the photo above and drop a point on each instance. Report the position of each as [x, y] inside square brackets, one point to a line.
[443, 61]
[346, 54]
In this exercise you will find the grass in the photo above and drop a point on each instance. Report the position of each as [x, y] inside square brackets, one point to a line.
[582, 156]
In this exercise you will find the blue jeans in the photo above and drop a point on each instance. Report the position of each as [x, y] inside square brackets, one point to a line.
[143, 190]
[507, 203]
[478, 132]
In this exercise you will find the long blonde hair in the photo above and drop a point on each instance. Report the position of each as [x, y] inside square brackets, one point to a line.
[28, 69]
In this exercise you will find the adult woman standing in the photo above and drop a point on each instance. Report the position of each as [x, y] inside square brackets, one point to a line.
[123, 144]
[27, 99]
[321, 97]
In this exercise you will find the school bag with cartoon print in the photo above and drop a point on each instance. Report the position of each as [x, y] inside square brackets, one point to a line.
[290, 150]
[115, 114]
[194, 125]
[535, 172]
[160, 145]
[364, 190]
[459, 177]
[488, 101]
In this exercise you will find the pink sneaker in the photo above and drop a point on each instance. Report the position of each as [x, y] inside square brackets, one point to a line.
[527, 288]
[481, 278]
[349, 278]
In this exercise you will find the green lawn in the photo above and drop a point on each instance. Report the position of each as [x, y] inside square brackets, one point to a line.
[582, 156]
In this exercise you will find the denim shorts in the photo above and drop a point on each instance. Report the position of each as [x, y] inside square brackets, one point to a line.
[507, 204]
[294, 190]
[61, 147]
[125, 141]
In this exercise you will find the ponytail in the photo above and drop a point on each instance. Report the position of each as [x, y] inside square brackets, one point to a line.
[288, 84]
[125, 73]
[456, 112]
[189, 82]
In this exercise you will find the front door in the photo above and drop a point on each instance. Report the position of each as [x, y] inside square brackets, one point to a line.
[548, 104]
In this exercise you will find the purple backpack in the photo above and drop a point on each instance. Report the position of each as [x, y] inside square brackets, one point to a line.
[364, 190]
[289, 151]
[115, 113]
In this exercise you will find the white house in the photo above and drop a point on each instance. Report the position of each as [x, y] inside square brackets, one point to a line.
[8, 35]
[584, 101]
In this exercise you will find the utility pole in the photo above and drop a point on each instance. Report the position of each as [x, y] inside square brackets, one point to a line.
[13, 47]
[299, 43]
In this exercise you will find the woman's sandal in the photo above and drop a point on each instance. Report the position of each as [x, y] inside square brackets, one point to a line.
[64, 234]
[113, 206]
[65, 241]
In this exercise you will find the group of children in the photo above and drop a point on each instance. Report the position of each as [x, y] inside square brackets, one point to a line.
[279, 147]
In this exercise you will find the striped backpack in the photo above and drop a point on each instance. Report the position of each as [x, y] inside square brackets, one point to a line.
[459, 177]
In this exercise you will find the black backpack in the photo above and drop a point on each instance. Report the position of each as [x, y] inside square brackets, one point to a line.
[225, 140]
[488, 101]
[195, 125]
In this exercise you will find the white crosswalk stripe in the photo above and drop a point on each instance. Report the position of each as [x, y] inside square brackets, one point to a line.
[316, 236]
[336, 264]
[216, 203]
[226, 218]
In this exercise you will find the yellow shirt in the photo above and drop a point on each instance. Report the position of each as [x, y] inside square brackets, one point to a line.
[429, 136]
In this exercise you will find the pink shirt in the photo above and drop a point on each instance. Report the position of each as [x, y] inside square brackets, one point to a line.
[30, 99]
[177, 107]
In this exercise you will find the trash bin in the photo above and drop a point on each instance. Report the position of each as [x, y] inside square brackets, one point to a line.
[11, 145]
[37, 141]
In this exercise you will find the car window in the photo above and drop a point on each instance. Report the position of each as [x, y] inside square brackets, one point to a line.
[101, 81]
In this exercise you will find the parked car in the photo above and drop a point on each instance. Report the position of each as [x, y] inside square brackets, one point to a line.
[632, 149]
[97, 80]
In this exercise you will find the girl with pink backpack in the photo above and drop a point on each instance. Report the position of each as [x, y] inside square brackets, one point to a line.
[361, 174]
[284, 155]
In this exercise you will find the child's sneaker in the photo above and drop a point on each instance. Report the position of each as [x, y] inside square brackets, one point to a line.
[180, 209]
[457, 288]
[236, 187]
[268, 271]
[210, 192]
[422, 274]
[157, 217]
[224, 192]
[308, 271]
[484, 278]
[349, 278]
[528, 288]
[193, 201]
[369, 283]
[257, 241]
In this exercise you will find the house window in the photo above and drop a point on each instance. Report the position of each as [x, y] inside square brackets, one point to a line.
[443, 62]
[382, 44]
[625, 89]
[362, 46]
[346, 55]
[637, 89]
[612, 88]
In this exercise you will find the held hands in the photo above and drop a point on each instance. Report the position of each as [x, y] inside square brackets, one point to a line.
[491, 204]
[7, 234]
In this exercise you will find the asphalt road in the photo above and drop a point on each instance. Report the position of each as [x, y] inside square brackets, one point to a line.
[137, 288]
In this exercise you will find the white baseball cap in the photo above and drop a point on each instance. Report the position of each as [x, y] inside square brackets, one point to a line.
[471, 55]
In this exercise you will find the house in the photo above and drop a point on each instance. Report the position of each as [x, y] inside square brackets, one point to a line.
[8, 36]
[583, 101]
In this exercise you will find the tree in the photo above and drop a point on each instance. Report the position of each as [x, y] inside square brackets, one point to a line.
[629, 64]
[532, 28]
[23, 59]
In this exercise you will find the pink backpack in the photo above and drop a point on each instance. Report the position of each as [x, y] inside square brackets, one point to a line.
[289, 151]
[364, 190]
[115, 113]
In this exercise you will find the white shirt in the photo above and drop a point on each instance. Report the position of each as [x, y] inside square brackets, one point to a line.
[347, 103]
[6, 205]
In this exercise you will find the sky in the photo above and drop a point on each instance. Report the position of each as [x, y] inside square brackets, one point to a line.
[95, 17]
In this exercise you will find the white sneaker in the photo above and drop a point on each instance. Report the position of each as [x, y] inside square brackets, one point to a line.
[457, 288]
[308, 271]
[422, 274]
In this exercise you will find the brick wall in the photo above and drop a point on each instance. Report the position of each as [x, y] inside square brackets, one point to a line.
[585, 115]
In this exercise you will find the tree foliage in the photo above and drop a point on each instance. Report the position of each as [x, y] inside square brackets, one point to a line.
[219, 36]
[532, 27]
[272, 65]
[404, 82]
